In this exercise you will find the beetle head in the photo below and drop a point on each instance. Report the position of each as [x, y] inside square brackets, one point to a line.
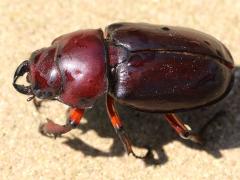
[43, 74]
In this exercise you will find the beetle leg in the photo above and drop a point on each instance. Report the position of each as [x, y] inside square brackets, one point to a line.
[73, 121]
[117, 124]
[182, 129]
[38, 103]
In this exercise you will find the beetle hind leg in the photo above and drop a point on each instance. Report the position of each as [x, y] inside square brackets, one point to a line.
[182, 129]
[117, 124]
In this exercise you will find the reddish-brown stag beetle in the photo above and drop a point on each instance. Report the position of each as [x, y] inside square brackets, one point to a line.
[148, 67]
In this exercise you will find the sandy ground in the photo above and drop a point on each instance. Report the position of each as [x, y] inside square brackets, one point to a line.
[93, 151]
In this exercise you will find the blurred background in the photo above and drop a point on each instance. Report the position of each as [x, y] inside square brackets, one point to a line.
[93, 151]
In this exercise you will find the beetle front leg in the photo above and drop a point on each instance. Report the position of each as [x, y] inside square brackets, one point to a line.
[181, 129]
[117, 124]
[38, 103]
[73, 121]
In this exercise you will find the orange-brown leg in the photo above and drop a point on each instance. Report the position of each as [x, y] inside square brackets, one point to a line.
[117, 124]
[181, 129]
[73, 121]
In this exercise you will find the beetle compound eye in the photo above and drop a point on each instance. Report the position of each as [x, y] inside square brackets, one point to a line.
[44, 94]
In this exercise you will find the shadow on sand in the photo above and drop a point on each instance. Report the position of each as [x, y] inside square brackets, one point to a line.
[150, 130]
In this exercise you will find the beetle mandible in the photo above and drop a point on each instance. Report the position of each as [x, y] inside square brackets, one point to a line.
[151, 68]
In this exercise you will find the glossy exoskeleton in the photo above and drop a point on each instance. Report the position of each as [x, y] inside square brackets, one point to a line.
[148, 67]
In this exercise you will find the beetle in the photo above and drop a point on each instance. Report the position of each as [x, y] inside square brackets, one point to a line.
[151, 68]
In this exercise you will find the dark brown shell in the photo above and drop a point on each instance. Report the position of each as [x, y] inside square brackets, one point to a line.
[166, 69]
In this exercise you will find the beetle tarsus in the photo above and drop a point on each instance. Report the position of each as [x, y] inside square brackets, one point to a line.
[51, 128]
[183, 130]
[127, 143]
[192, 136]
